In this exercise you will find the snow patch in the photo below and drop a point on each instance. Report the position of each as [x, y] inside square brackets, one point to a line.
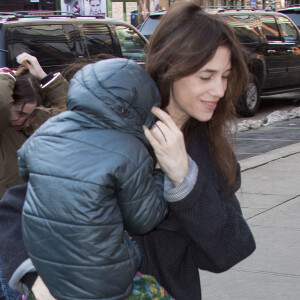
[274, 117]
[249, 124]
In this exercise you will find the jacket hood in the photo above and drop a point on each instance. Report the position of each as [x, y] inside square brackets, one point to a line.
[115, 93]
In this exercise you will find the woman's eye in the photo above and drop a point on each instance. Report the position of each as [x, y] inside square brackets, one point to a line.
[205, 78]
[226, 76]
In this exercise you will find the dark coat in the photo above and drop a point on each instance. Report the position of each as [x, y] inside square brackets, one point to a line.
[205, 230]
[90, 176]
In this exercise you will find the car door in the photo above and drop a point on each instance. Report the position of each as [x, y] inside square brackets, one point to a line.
[275, 53]
[291, 39]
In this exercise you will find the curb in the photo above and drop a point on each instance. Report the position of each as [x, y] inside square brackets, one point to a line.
[262, 159]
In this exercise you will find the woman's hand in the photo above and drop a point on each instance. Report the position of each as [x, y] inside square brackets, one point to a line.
[32, 64]
[169, 147]
[40, 290]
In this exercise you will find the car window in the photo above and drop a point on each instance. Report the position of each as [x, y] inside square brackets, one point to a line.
[245, 26]
[270, 28]
[288, 29]
[293, 15]
[132, 45]
[51, 44]
[97, 39]
[149, 25]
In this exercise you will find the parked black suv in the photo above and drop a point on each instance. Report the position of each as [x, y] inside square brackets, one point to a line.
[272, 49]
[58, 40]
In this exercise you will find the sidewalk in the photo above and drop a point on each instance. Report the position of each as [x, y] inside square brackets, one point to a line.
[270, 199]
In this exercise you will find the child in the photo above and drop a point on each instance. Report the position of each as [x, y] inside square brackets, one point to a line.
[90, 177]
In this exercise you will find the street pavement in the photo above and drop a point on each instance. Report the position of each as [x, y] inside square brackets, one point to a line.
[270, 200]
[257, 141]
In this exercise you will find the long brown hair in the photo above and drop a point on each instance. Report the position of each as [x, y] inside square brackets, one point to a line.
[27, 87]
[184, 41]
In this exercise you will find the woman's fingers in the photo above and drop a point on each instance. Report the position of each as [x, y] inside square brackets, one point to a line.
[32, 64]
[168, 143]
[161, 132]
[165, 131]
[25, 57]
[152, 140]
[20, 58]
[164, 117]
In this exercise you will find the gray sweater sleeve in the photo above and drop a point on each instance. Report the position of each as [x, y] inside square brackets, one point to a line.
[174, 193]
[15, 280]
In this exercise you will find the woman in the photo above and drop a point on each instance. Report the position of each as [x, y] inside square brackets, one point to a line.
[22, 95]
[197, 63]
[198, 66]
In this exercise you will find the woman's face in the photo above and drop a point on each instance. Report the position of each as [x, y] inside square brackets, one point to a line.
[197, 95]
[22, 115]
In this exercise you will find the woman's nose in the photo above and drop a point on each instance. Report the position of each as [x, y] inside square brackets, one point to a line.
[219, 88]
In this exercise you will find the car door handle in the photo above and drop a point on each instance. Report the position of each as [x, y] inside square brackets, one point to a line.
[271, 51]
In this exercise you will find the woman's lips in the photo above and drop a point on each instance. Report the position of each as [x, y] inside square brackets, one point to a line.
[211, 105]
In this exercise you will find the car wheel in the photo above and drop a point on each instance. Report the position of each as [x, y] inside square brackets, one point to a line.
[249, 102]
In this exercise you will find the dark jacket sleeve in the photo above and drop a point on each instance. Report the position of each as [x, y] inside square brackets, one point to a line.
[12, 248]
[219, 235]
[141, 199]
[55, 92]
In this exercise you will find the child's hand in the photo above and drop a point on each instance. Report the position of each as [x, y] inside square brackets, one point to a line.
[40, 290]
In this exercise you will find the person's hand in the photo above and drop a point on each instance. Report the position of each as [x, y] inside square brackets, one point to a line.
[40, 290]
[168, 143]
[32, 64]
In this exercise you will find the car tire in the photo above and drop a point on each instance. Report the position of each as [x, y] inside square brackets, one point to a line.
[249, 101]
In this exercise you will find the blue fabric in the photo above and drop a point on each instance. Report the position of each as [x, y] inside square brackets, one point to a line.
[6, 293]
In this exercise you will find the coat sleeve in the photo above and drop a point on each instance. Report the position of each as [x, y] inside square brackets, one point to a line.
[12, 249]
[213, 221]
[141, 199]
[16, 264]
[56, 91]
[7, 83]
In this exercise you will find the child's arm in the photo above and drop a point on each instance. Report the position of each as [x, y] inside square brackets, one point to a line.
[141, 199]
